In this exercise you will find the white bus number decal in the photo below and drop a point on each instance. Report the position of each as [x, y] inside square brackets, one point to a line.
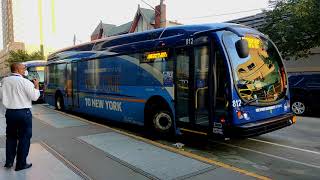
[189, 41]
[236, 103]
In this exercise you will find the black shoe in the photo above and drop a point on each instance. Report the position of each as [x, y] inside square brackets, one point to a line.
[8, 165]
[18, 168]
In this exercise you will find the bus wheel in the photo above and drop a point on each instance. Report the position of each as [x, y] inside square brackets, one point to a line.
[59, 103]
[162, 122]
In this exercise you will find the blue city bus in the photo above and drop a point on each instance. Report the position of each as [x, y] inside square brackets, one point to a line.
[224, 80]
[36, 71]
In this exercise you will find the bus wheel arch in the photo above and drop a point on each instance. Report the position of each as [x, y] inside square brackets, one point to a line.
[158, 116]
[59, 102]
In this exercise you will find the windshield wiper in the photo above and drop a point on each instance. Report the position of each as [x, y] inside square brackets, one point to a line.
[255, 98]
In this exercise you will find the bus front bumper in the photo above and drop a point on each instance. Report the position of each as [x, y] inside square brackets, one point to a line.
[262, 127]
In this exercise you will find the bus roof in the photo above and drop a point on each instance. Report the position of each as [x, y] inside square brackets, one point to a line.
[35, 63]
[154, 34]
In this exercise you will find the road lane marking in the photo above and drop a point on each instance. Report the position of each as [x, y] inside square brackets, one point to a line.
[172, 149]
[269, 155]
[281, 145]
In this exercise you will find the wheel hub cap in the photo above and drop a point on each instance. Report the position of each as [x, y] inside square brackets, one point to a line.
[163, 121]
[298, 107]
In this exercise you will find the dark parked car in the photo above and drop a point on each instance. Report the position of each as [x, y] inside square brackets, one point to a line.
[305, 92]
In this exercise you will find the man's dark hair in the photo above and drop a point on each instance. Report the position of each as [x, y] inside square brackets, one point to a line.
[14, 67]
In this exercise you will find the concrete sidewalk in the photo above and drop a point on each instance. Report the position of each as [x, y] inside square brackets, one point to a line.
[65, 147]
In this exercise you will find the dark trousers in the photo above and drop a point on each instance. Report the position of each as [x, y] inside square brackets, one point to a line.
[19, 132]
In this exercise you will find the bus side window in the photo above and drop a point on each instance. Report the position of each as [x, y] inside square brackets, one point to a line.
[51, 74]
[57, 74]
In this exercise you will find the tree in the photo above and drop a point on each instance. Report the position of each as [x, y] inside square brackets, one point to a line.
[22, 56]
[294, 26]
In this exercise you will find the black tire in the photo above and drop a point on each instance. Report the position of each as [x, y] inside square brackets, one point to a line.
[59, 103]
[298, 107]
[162, 122]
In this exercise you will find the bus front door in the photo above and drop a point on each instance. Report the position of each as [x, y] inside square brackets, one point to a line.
[192, 100]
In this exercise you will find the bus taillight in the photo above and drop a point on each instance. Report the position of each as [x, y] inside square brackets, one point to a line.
[222, 119]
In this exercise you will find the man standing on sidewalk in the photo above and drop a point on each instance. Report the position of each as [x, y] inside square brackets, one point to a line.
[17, 96]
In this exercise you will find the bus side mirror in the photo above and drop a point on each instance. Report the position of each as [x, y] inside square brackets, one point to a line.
[242, 48]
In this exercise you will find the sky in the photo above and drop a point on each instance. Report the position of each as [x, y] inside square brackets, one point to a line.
[80, 17]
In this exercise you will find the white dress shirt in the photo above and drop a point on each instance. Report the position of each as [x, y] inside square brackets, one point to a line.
[18, 92]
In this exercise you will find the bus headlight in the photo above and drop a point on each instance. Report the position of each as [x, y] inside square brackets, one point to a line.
[246, 116]
[243, 115]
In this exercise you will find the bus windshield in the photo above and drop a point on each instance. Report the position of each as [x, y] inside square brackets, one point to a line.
[260, 77]
[36, 72]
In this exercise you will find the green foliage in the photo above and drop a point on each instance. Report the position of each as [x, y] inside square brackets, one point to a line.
[294, 26]
[22, 56]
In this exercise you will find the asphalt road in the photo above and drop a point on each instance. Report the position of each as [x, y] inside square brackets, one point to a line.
[290, 153]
